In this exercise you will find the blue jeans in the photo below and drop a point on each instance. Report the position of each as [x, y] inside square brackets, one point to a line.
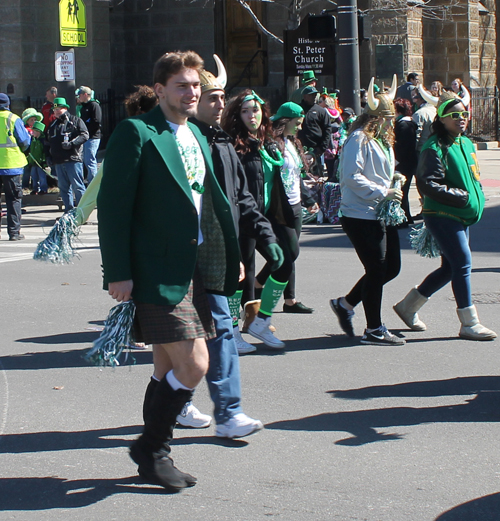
[90, 148]
[223, 376]
[39, 178]
[69, 180]
[456, 260]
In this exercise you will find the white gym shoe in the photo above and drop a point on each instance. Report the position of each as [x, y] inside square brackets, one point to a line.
[190, 416]
[238, 426]
[242, 346]
[259, 328]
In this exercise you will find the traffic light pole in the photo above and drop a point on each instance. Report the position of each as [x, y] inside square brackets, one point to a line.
[348, 54]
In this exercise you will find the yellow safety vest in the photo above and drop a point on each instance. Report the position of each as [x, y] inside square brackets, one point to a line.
[11, 155]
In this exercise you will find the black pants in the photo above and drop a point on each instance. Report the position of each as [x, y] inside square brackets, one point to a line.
[288, 239]
[378, 250]
[288, 242]
[13, 198]
[409, 173]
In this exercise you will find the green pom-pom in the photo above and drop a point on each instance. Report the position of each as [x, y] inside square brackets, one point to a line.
[423, 242]
[58, 247]
[115, 337]
[391, 213]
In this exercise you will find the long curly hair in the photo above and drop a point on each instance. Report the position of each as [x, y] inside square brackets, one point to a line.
[278, 130]
[371, 127]
[234, 126]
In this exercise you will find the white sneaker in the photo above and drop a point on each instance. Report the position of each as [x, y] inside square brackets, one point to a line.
[190, 416]
[242, 346]
[259, 328]
[238, 426]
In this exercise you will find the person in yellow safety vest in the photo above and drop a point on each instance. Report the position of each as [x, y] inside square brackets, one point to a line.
[14, 140]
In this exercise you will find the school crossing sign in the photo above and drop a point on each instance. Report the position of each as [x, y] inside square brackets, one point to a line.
[72, 23]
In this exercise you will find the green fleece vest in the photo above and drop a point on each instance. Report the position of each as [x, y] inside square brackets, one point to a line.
[462, 171]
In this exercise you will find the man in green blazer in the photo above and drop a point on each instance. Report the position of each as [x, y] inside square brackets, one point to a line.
[167, 236]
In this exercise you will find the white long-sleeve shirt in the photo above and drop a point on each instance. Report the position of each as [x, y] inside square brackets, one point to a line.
[366, 172]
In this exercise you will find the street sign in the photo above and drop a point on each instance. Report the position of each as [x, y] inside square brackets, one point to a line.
[304, 53]
[65, 66]
[72, 23]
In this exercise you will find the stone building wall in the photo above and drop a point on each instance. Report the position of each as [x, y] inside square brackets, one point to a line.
[140, 36]
[487, 44]
[29, 38]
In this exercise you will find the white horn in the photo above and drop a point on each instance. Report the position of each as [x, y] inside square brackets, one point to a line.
[221, 72]
[465, 97]
[394, 88]
[372, 100]
[427, 96]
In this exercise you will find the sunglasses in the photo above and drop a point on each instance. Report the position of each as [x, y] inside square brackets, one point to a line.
[464, 114]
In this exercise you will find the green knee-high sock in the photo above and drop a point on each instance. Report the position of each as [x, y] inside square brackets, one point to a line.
[234, 306]
[271, 293]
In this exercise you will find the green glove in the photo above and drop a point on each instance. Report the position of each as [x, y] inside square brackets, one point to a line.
[276, 254]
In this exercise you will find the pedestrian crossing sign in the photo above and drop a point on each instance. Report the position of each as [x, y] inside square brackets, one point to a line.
[72, 23]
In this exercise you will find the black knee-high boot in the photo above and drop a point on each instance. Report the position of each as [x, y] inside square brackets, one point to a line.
[152, 450]
[148, 398]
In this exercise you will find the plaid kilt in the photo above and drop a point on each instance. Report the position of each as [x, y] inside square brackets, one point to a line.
[190, 319]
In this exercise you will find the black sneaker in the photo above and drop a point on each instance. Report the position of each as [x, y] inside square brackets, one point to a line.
[18, 237]
[382, 337]
[344, 316]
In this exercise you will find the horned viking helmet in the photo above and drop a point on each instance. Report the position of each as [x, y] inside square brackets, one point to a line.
[442, 102]
[209, 82]
[381, 104]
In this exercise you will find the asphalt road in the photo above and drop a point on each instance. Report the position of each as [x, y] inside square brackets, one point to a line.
[352, 432]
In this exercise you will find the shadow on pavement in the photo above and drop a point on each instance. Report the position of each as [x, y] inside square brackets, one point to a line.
[29, 442]
[459, 386]
[52, 492]
[486, 508]
[26, 442]
[485, 407]
[72, 358]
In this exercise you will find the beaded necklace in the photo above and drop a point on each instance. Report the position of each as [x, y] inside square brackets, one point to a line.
[194, 174]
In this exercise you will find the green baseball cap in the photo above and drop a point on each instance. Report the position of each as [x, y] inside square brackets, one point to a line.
[288, 110]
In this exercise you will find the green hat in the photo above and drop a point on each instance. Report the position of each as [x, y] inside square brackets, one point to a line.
[30, 113]
[288, 110]
[60, 102]
[38, 125]
[308, 76]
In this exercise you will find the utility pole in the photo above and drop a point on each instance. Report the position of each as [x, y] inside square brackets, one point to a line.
[348, 54]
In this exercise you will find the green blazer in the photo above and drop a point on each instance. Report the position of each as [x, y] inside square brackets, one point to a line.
[148, 224]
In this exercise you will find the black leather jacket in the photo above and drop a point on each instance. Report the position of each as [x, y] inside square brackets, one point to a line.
[231, 176]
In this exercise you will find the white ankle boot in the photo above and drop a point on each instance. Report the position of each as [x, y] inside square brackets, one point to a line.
[408, 307]
[471, 329]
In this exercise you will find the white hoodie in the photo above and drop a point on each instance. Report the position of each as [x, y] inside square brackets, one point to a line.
[366, 172]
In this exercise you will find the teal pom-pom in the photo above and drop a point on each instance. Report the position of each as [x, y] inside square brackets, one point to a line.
[115, 337]
[391, 213]
[58, 246]
[423, 242]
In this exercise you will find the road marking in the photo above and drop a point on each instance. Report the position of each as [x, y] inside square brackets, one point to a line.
[3, 418]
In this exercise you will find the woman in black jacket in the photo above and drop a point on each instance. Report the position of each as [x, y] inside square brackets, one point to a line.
[246, 120]
[405, 132]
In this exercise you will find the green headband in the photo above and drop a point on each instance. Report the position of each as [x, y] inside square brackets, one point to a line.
[253, 96]
[442, 107]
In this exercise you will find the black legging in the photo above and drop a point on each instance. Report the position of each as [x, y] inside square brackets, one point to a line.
[289, 243]
[378, 250]
[288, 239]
